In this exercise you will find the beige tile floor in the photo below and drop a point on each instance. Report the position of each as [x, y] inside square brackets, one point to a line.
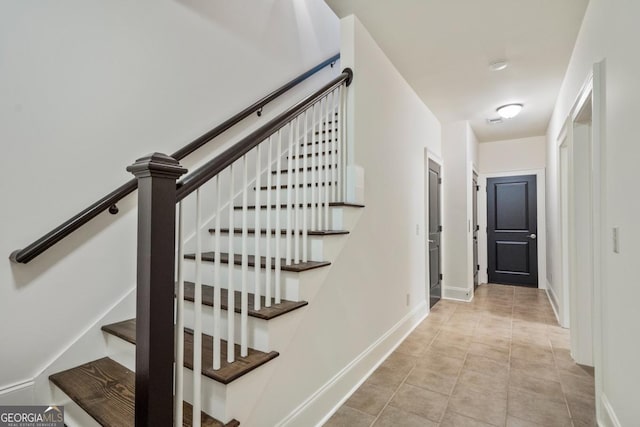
[501, 360]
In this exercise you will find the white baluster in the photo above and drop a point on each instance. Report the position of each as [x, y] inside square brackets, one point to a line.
[256, 298]
[244, 300]
[340, 143]
[217, 285]
[313, 165]
[179, 380]
[305, 174]
[327, 161]
[278, 230]
[291, 167]
[318, 172]
[197, 324]
[334, 147]
[231, 297]
[267, 269]
[296, 189]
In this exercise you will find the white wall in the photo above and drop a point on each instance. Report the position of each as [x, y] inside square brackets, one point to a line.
[383, 260]
[609, 32]
[460, 155]
[86, 88]
[513, 154]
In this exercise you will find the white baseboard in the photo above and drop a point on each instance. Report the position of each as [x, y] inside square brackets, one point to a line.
[457, 293]
[609, 416]
[18, 394]
[553, 299]
[322, 404]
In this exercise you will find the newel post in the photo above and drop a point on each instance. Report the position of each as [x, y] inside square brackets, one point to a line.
[157, 174]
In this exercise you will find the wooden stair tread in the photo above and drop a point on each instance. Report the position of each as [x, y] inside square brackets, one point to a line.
[283, 232]
[237, 260]
[106, 391]
[313, 154]
[310, 168]
[285, 186]
[300, 205]
[227, 373]
[324, 140]
[265, 313]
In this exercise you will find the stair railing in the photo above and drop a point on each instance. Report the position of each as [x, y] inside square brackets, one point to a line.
[307, 144]
[109, 201]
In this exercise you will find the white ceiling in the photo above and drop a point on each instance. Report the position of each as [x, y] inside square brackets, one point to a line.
[443, 49]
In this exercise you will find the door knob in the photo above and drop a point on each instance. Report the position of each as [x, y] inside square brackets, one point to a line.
[532, 236]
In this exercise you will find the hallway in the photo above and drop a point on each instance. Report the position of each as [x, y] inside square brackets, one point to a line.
[500, 360]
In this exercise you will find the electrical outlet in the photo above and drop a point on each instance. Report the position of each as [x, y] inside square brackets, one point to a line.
[408, 299]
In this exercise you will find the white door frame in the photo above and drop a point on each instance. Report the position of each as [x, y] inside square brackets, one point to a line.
[592, 91]
[542, 223]
[429, 155]
[564, 202]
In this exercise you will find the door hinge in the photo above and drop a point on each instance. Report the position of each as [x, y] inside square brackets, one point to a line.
[487, 271]
[439, 180]
[477, 188]
[439, 228]
[477, 228]
[440, 276]
[478, 267]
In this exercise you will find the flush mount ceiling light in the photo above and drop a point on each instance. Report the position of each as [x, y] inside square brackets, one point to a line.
[509, 111]
[498, 65]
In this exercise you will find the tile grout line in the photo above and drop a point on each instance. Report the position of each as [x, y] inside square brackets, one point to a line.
[455, 383]
[562, 387]
[522, 309]
[392, 396]
[513, 309]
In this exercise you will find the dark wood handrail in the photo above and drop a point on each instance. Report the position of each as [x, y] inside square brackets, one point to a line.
[63, 230]
[216, 165]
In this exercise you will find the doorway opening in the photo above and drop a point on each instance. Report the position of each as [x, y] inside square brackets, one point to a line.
[577, 228]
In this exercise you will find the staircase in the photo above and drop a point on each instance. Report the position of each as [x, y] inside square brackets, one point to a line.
[243, 270]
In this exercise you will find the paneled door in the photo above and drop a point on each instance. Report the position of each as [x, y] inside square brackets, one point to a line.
[512, 230]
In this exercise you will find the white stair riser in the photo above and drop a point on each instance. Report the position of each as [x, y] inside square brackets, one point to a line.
[218, 400]
[258, 329]
[326, 157]
[74, 415]
[298, 176]
[307, 192]
[289, 280]
[335, 218]
[214, 395]
[314, 244]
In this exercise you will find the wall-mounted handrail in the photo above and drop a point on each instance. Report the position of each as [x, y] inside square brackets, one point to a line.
[66, 228]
